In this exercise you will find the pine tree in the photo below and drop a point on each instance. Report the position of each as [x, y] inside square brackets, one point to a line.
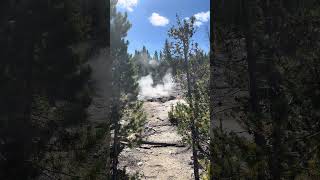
[182, 34]
[119, 28]
[160, 56]
[48, 68]
[124, 82]
[168, 60]
[270, 51]
[155, 56]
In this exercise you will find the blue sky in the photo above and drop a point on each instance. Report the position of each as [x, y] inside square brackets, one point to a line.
[151, 20]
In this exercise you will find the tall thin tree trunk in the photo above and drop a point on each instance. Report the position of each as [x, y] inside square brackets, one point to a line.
[103, 34]
[108, 150]
[252, 71]
[278, 102]
[22, 104]
[213, 24]
[194, 134]
[115, 116]
[103, 29]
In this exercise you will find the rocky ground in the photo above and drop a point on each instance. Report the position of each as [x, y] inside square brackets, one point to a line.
[162, 155]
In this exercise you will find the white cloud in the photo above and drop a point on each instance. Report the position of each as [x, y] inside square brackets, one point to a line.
[201, 18]
[127, 4]
[198, 23]
[157, 20]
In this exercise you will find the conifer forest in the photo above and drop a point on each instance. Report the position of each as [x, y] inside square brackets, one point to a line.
[159, 89]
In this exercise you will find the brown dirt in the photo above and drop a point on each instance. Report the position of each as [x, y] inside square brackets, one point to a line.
[157, 161]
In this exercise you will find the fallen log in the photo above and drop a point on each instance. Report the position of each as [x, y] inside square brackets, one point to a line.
[156, 144]
[162, 144]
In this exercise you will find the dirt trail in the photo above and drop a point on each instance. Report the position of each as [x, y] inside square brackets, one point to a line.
[164, 156]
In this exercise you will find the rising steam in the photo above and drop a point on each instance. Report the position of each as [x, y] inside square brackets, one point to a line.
[148, 90]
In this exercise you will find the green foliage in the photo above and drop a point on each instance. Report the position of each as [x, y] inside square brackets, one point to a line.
[180, 115]
[126, 113]
[134, 121]
[280, 47]
[71, 114]
[123, 77]
[94, 171]
[191, 69]
[48, 76]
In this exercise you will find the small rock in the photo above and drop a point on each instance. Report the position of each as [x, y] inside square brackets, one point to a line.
[140, 163]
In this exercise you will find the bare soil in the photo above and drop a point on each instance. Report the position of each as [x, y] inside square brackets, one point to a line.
[162, 156]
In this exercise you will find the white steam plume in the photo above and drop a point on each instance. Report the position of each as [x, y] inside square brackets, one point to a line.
[148, 91]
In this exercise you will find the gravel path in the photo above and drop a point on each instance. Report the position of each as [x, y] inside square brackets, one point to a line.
[164, 156]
